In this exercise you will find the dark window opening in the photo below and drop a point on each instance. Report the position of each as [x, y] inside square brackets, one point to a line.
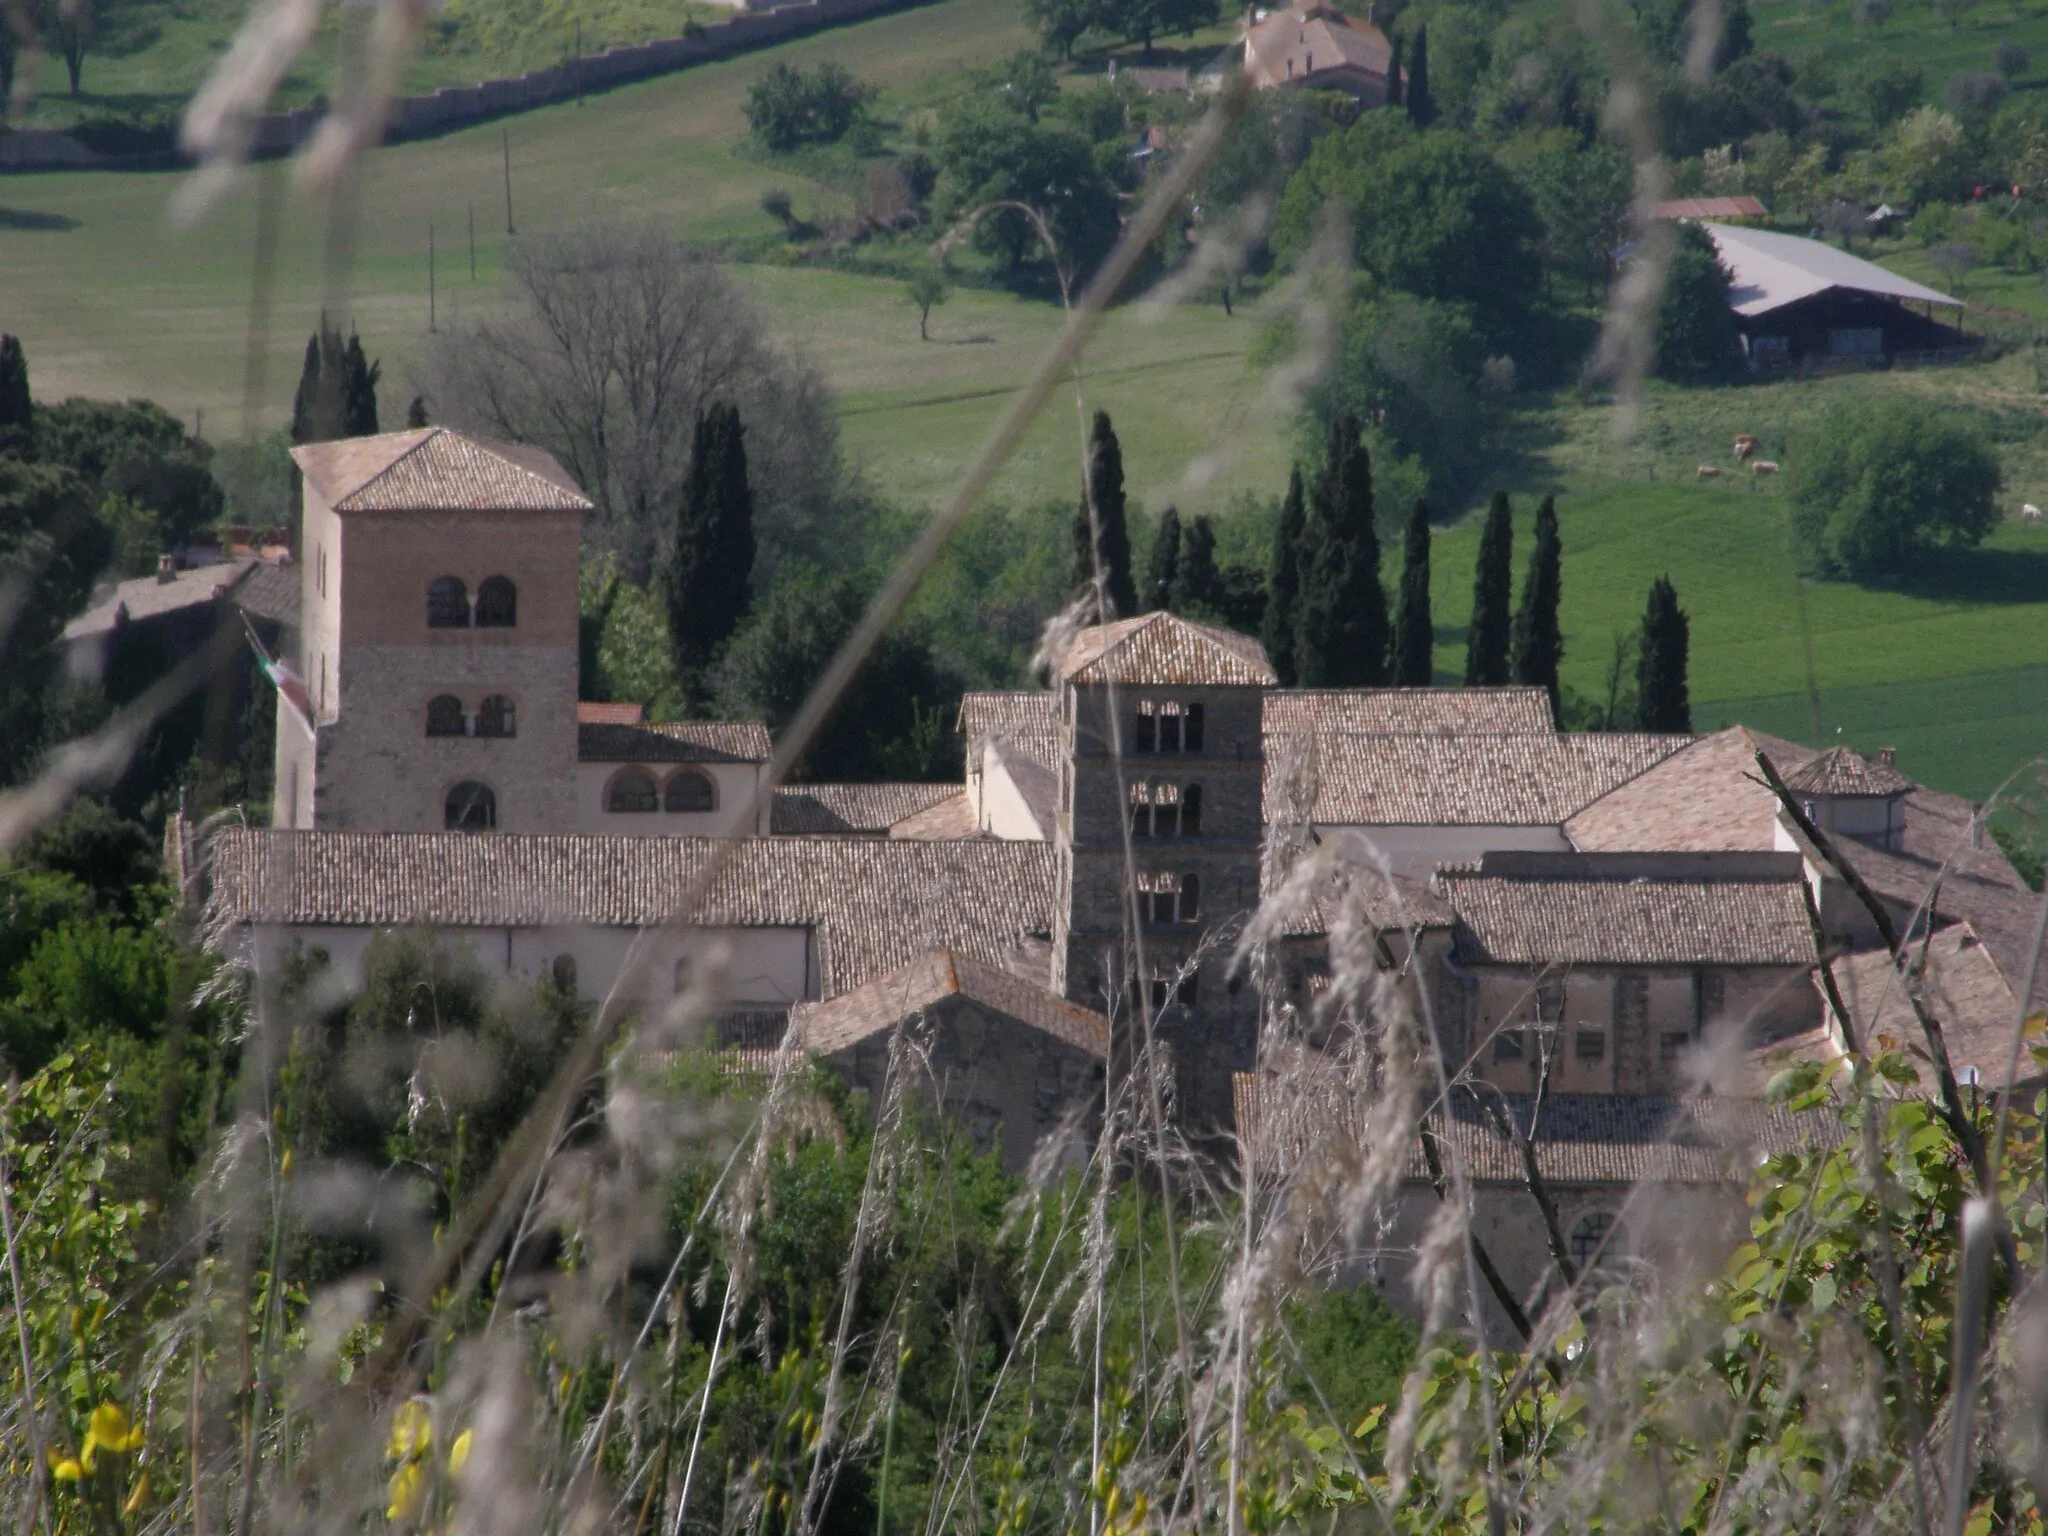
[447, 603]
[1591, 1045]
[1146, 737]
[1671, 1045]
[498, 716]
[1169, 728]
[1190, 898]
[497, 604]
[1597, 1233]
[564, 973]
[444, 716]
[1165, 989]
[1549, 1001]
[689, 790]
[1507, 1045]
[1191, 811]
[471, 807]
[1191, 731]
[632, 792]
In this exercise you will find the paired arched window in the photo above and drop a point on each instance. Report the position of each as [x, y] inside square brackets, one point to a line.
[447, 603]
[445, 717]
[1167, 726]
[689, 789]
[632, 791]
[497, 604]
[1164, 809]
[471, 807]
[1170, 898]
[498, 716]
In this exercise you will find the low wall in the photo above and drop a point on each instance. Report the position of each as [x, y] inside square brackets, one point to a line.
[415, 117]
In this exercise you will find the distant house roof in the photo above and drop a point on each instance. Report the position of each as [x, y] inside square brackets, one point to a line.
[270, 591]
[436, 469]
[1510, 779]
[1310, 44]
[1772, 270]
[936, 978]
[852, 808]
[591, 712]
[1709, 208]
[151, 597]
[1705, 797]
[1847, 772]
[678, 741]
[876, 904]
[1166, 650]
[952, 817]
[1410, 711]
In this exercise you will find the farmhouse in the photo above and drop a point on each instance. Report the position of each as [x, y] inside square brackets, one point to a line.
[1318, 47]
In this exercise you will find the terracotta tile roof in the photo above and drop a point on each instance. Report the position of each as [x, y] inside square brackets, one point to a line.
[591, 712]
[875, 903]
[1845, 771]
[952, 817]
[270, 592]
[1581, 1138]
[1711, 918]
[1740, 207]
[1030, 721]
[856, 808]
[436, 469]
[1410, 711]
[1166, 650]
[936, 978]
[679, 741]
[147, 597]
[1704, 797]
[1389, 901]
[1491, 780]
[1314, 40]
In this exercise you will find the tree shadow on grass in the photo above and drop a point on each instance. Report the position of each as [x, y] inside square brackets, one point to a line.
[34, 219]
[1979, 576]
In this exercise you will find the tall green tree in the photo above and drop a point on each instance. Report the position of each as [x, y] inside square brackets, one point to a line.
[1695, 327]
[1662, 700]
[1061, 23]
[1394, 70]
[1340, 625]
[1414, 633]
[1538, 641]
[1197, 583]
[1415, 94]
[1162, 570]
[337, 393]
[1486, 643]
[1283, 587]
[1105, 538]
[17, 414]
[709, 581]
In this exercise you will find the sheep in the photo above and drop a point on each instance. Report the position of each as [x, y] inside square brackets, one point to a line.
[2029, 512]
[1708, 472]
[1745, 445]
[1763, 467]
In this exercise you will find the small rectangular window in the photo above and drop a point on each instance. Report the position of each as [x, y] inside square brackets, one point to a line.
[1169, 728]
[1191, 729]
[1591, 1045]
[1507, 1045]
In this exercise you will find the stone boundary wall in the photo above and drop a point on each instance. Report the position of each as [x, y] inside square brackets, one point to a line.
[415, 117]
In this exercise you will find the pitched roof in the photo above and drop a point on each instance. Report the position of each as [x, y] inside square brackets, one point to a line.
[876, 904]
[1519, 779]
[149, 597]
[1580, 1138]
[857, 808]
[1313, 40]
[1166, 650]
[1029, 720]
[437, 469]
[952, 817]
[1388, 902]
[1705, 796]
[1845, 771]
[270, 592]
[1773, 270]
[936, 978]
[1410, 711]
[678, 741]
[591, 712]
[1646, 920]
[1742, 207]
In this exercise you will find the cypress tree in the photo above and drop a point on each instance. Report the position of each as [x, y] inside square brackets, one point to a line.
[1162, 573]
[1394, 71]
[1421, 106]
[17, 415]
[1340, 624]
[337, 393]
[708, 583]
[1486, 644]
[1283, 593]
[1662, 702]
[359, 391]
[1112, 541]
[1414, 634]
[1539, 643]
[309, 407]
[1198, 584]
[416, 413]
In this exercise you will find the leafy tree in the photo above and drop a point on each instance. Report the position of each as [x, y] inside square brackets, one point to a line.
[116, 862]
[1197, 583]
[1929, 155]
[927, 289]
[1061, 23]
[1430, 213]
[337, 393]
[711, 557]
[2010, 58]
[1538, 640]
[989, 154]
[70, 29]
[416, 414]
[1102, 538]
[1876, 487]
[52, 546]
[1340, 626]
[1415, 94]
[33, 902]
[153, 482]
[1414, 633]
[1582, 195]
[1141, 20]
[1662, 702]
[17, 419]
[1888, 87]
[1162, 568]
[792, 105]
[1409, 366]
[87, 979]
[1695, 326]
[1486, 644]
[1283, 587]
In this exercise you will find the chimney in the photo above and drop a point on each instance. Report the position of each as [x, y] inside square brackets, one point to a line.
[166, 568]
[1885, 756]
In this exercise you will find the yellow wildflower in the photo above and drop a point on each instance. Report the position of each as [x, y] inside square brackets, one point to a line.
[412, 1431]
[135, 1499]
[65, 1469]
[408, 1486]
[458, 1453]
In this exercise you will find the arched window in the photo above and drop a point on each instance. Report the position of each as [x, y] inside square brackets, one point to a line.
[471, 807]
[1146, 737]
[447, 603]
[1190, 898]
[689, 790]
[1191, 729]
[498, 716]
[1191, 811]
[444, 716]
[632, 791]
[1141, 808]
[497, 604]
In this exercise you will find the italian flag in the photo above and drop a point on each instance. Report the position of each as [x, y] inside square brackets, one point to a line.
[282, 677]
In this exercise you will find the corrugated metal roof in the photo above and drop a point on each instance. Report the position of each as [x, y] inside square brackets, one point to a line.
[1773, 270]
[437, 469]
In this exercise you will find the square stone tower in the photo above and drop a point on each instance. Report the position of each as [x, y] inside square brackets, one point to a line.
[438, 639]
[1161, 738]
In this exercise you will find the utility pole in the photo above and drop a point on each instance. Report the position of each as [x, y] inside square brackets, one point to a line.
[431, 325]
[507, 136]
[472, 245]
